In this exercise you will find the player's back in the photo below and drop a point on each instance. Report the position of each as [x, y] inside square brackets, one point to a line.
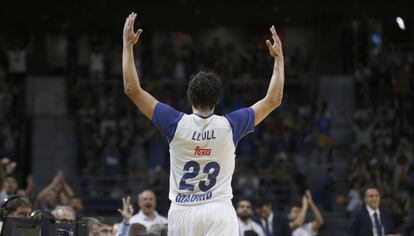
[202, 152]
[202, 160]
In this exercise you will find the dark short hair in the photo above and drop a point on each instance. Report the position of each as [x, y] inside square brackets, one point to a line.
[297, 204]
[15, 202]
[244, 199]
[105, 220]
[204, 90]
[264, 202]
[136, 229]
[76, 197]
[11, 176]
[370, 187]
[250, 233]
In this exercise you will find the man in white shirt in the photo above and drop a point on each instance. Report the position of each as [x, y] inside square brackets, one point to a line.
[245, 214]
[147, 214]
[297, 216]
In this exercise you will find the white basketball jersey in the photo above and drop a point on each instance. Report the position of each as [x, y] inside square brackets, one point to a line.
[202, 152]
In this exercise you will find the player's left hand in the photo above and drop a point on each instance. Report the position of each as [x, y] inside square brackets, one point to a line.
[275, 49]
[130, 37]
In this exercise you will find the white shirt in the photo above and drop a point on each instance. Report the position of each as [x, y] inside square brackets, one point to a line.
[371, 215]
[269, 222]
[146, 221]
[304, 230]
[355, 200]
[202, 152]
[250, 225]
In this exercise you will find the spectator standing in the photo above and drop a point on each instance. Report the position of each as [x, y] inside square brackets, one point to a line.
[312, 227]
[147, 215]
[273, 223]
[370, 219]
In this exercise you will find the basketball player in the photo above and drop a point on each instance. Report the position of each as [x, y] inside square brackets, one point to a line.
[202, 145]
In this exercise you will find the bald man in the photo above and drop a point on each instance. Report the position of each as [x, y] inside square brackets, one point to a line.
[147, 214]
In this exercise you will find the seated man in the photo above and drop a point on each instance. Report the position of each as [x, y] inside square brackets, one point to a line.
[137, 229]
[107, 226]
[18, 207]
[94, 225]
[245, 213]
[64, 214]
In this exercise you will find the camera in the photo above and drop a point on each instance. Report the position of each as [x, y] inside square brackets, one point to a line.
[42, 226]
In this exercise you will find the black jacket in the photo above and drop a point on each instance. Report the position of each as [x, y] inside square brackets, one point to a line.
[280, 225]
[360, 223]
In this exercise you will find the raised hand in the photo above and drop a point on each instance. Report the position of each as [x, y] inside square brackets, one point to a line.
[304, 202]
[275, 49]
[127, 210]
[309, 196]
[130, 37]
[29, 181]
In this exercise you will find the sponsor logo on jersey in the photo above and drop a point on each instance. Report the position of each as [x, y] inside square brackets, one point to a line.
[202, 151]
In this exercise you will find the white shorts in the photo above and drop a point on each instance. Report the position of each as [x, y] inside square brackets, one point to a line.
[211, 219]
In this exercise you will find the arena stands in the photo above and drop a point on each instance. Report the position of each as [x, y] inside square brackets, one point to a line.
[120, 153]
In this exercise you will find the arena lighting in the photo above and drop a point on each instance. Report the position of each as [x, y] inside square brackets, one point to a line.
[400, 22]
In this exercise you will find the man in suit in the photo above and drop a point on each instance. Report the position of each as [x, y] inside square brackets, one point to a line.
[273, 224]
[370, 219]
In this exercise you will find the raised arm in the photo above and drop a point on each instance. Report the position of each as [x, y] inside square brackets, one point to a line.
[29, 188]
[142, 99]
[126, 212]
[302, 215]
[318, 221]
[274, 94]
[66, 191]
[53, 186]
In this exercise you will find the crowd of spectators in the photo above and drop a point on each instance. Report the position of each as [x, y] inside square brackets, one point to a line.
[114, 139]
[116, 143]
[383, 130]
[254, 217]
[12, 97]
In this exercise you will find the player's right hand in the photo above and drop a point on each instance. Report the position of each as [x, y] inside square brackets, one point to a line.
[130, 37]
[275, 49]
